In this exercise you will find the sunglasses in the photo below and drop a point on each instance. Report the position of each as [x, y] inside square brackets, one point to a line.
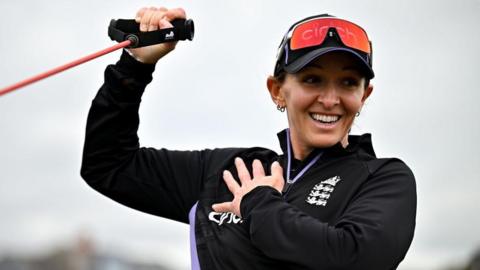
[314, 32]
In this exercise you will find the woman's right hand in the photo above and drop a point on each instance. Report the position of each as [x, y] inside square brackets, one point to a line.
[152, 19]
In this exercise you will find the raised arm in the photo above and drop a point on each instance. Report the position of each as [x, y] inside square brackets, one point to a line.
[160, 182]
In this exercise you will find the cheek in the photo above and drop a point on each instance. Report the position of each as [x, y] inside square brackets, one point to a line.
[298, 100]
[348, 122]
[353, 103]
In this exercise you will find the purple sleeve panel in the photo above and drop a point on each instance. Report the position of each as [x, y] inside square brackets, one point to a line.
[193, 242]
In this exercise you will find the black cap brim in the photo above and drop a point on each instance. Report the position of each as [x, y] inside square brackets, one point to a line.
[304, 60]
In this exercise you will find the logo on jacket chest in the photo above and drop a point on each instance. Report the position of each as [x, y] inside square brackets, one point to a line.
[322, 191]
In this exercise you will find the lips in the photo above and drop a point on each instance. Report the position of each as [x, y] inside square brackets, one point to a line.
[324, 118]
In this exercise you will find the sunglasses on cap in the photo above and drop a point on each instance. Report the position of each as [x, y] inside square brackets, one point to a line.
[304, 42]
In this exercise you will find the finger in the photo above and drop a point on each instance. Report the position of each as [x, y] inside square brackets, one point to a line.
[277, 175]
[278, 185]
[258, 170]
[139, 14]
[242, 171]
[175, 13]
[145, 21]
[154, 23]
[152, 27]
[277, 170]
[223, 207]
[230, 182]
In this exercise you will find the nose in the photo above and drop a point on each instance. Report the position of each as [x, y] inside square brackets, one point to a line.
[328, 97]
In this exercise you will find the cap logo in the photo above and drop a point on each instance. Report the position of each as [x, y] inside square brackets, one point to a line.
[318, 31]
[314, 33]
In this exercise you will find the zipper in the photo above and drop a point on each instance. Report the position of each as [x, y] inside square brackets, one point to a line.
[286, 189]
[289, 182]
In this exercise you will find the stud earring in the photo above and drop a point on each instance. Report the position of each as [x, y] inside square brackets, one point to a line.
[280, 108]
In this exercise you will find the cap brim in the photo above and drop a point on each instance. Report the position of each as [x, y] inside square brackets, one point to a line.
[301, 62]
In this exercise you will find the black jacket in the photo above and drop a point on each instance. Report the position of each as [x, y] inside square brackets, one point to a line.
[350, 210]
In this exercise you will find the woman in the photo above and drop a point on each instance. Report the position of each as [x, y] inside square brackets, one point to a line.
[326, 203]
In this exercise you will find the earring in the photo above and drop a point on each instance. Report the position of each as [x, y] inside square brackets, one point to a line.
[357, 114]
[280, 108]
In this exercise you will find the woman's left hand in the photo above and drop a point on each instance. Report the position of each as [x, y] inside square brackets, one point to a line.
[247, 183]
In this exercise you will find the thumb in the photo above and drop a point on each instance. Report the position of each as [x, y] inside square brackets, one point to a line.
[165, 24]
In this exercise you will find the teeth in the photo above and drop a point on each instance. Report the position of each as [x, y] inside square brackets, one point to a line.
[325, 118]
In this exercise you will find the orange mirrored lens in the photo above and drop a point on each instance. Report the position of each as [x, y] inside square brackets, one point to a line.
[313, 33]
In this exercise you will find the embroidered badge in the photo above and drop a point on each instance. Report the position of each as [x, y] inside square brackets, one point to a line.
[321, 192]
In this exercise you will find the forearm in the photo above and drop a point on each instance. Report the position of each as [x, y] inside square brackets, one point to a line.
[374, 232]
[113, 163]
[284, 232]
[111, 132]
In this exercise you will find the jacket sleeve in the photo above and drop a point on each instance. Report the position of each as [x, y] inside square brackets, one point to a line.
[374, 232]
[160, 182]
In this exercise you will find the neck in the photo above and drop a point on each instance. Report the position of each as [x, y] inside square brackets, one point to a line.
[344, 141]
[300, 152]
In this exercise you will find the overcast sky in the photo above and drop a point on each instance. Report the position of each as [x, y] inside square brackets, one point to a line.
[211, 93]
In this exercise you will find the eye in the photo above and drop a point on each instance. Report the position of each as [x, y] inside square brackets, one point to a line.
[351, 82]
[311, 79]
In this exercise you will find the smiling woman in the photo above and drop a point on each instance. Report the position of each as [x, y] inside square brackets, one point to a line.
[327, 202]
[322, 100]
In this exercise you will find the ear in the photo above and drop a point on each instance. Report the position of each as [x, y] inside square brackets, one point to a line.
[368, 91]
[274, 87]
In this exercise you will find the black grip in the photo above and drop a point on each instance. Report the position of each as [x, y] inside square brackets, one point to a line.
[121, 30]
[186, 29]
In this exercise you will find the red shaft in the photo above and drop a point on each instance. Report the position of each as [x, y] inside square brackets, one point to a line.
[59, 69]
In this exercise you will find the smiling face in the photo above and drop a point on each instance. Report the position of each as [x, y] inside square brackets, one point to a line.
[322, 100]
